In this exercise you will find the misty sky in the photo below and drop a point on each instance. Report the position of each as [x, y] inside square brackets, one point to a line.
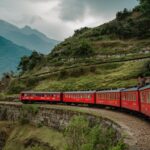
[59, 18]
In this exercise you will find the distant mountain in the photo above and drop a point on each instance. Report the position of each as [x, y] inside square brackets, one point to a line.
[27, 37]
[10, 55]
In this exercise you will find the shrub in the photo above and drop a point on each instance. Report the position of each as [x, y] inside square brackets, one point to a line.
[82, 135]
[62, 74]
[16, 87]
[26, 112]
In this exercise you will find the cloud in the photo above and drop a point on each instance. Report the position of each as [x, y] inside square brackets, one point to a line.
[72, 10]
[59, 18]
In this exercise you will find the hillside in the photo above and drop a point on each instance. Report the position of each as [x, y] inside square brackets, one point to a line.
[27, 37]
[10, 55]
[112, 55]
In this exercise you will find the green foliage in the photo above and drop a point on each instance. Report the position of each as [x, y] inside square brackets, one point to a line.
[77, 132]
[80, 31]
[16, 87]
[62, 74]
[32, 109]
[82, 136]
[145, 7]
[29, 137]
[122, 14]
[28, 63]
[31, 82]
[26, 112]
[83, 49]
[146, 69]
[120, 146]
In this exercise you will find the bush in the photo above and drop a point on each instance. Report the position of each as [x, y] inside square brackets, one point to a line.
[31, 82]
[62, 74]
[82, 49]
[16, 87]
[26, 112]
[82, 135]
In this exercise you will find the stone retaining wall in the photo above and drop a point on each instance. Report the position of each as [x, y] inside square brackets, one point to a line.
[56, 118]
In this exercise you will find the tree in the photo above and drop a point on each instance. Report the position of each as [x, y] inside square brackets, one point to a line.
[23, 65]
[122, 14]
[28, 63]
[83, 50]
[145, 6]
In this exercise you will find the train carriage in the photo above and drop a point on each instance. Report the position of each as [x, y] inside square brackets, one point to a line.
[109, 97]
[41, 96]
[79, 97]
[145, 100]
[130, 99]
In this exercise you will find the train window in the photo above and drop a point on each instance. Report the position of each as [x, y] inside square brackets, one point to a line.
[103, 96]
[135, 97]
[112, 96]
[124, 96]
[144, 97]
[130, 96]
[148, 98]
[108, 96]
[100, 96]
[116, 95]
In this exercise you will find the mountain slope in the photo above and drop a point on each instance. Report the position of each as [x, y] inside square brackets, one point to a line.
[10, 55]
[27, 37]
[97, 58]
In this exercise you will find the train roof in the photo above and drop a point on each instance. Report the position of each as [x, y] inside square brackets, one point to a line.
[33, 92]
[131, 89]
[79, 92]
[105, 91]
[145, 87]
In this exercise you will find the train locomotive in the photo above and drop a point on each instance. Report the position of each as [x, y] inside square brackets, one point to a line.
[134, 99]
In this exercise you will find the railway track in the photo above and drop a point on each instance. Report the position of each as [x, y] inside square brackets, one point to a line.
[137, 130]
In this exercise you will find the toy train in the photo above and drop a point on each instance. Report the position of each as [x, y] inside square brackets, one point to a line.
[135, 99]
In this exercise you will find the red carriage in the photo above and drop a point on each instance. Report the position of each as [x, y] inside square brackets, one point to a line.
[109, 98]
[41, 96]
[145, 100]
[79, 97]
[130, 99]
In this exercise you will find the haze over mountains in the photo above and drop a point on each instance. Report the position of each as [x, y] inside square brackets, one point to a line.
[10, 55]
[27, 37]
[18, 42]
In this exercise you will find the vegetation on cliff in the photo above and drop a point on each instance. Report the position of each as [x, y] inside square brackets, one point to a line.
[80, 134]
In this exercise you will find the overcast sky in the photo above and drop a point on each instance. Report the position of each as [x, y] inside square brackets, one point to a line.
[59, 18]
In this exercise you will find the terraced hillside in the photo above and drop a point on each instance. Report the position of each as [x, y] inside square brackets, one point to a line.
[109, 56]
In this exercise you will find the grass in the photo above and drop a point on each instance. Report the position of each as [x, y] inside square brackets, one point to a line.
[8, 97]
[106, 76]
[22, 133]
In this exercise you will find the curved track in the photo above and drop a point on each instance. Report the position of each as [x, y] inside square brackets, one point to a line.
[136, 130]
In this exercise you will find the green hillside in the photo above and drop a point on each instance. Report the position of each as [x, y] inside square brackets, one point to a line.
[108, 56]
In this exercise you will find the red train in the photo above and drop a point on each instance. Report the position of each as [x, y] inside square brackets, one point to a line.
[134, 99]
